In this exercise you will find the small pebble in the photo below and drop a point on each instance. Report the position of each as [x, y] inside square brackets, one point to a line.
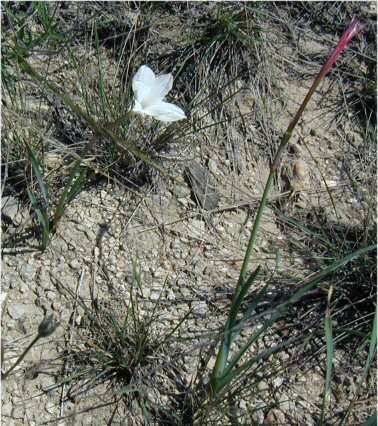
[75, 264]
[300, 169]
[17, 310]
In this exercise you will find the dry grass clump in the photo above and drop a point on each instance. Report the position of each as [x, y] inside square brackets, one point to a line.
[241, 71]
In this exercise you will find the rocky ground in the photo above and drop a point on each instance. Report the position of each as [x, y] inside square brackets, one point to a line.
[187, 239]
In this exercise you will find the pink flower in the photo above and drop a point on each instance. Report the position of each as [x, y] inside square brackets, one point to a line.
[354, 28]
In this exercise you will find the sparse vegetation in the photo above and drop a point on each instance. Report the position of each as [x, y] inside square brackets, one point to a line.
[189, 333]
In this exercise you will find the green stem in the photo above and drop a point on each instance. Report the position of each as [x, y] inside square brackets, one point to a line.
[21, 357]
[274, 167]
[123, 144]
[256, 226]
[284, 141]
[221, 361]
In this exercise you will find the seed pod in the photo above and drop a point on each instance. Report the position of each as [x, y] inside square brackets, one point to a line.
[47, 326]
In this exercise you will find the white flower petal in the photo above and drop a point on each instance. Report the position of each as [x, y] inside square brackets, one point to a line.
[137, 107]
[165, 111]
[144, 74]
[163, 84]
[143, 83]
[150, 91]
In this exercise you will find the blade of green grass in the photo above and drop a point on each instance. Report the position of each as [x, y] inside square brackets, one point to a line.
[239, 297]
[104, 101]
[235, 373]
[228, 334]
[371, 421]
[373, 346]
[42, 218]
[370, 357]
[123, 144]
[329, 362]
[250, 309]
[37, 169]
[230, 372]
[303, 228]
[76, 182]
[42, 10]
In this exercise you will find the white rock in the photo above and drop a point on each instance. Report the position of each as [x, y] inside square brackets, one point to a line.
[277, 382]
[17, 310]
[12, 208]
[9, 280]
[155, 296]
[200, 307]
[213, 167]
[75, 264]
[27, 272]
[50, 294]
[196, 228]
[3, 297]
[275, 417]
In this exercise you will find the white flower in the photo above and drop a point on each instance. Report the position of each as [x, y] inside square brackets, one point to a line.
[149, 92]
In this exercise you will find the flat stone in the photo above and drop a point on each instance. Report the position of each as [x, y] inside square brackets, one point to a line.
[159, 273]
[18, 411]
[27, 272]
[3, 297]
[11, 208]
[18, 310]
[262, 386]
[258, 415]
[9, 280]
[51, 295]
[6, 409]
[286, 403]
[155, 295]
[181, 191]
[203, 190]
[213, 167]
[22, 288]
[75, 264]
[277, 382]
[186, 293]
[171, 295]
[200, 307]
[196, 228]
[275, 417]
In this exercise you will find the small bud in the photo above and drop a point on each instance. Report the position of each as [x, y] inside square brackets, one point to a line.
[353, 29]
[47, 326]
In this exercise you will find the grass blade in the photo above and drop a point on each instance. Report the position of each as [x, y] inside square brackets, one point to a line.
[42, 218]
[37, 169]
[371, 354]
[371, 421]
[122, 144]
[239, 297]
[329, 362]
[235, 373]
[250, 309]
[229, 372]
[229, 334]
[315, 234]
[76, 182]
[104, 102]
[373, 345]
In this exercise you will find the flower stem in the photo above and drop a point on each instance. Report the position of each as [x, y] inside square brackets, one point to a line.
[353, 29]
[21, 357]
[123, 144]
[221, 363]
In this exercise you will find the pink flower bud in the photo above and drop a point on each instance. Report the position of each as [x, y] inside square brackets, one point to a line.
[354, 28]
